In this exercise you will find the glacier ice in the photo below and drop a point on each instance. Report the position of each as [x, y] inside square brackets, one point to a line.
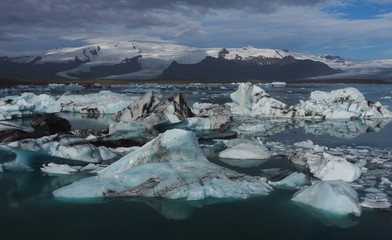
[246, 151]
[53, 168]
[346, 103]
[61, 145]
[58, 148]
[151, 112]
[293, 181]
[251, 100]
[331, 196]
[336, 168]
[105, 102]
[376, 201]
[326, 166]
[170, 166]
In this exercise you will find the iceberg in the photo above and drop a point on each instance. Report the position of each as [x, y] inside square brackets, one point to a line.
[326, 166]
[151, 112]
[246, 151]
[293, 181]
[336, 168]
[58, 148]
[253, 101]
[104, 102]
[346, 103]
[335, 197]
[54, 169]
[170, 166]
[378, 201]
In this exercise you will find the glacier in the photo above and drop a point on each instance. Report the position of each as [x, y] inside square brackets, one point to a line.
[170, 166]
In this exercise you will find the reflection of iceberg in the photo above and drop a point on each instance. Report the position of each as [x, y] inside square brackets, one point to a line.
[329, 219]
[243, 163]
[266, 127]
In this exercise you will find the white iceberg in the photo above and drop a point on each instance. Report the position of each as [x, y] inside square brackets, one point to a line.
[292, 181]
[251, 100]
[346, 103]
[246, 151]
[326, 166]
[335, 197]
[53, 168]
[170, 166]
[104, 102]
[58, 148]
[376, 201]
[336, 168]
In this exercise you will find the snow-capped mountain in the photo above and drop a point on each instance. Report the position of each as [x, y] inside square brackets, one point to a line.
[148, 60]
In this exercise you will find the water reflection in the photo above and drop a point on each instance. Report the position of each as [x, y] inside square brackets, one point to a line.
[329, 220]
[337, 128]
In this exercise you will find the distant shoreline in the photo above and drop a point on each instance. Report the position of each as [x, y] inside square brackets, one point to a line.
[12, 82]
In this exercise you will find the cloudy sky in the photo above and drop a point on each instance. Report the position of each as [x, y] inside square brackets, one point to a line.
[360, 29]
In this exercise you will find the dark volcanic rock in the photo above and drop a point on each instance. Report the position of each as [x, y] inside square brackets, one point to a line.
[256, 68]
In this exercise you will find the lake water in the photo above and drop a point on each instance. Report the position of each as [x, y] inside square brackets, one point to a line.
[28, 210]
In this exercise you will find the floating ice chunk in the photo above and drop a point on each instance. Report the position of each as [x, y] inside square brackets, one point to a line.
[173, 145]
[254, 101]
[5, 115]
[346, 103]
[105, 153]
[332, 196]
[28, 104]
[278, 84]
[245, 94]
[386, 181]
[305, 144]
[293, 181]
[246, 151]
[122, 150]
[376, 201]
[53, 168]
[61, 145]
[308, 159]
[170, 166]
[336, 168]
[103, 102]
[151, 112]
[92, 168]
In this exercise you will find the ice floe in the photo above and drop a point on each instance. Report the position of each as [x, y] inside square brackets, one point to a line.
[32, 153]
[293, 181]
[170, 166]
[346, 103]
[246, 151]
[53, 168]
[104, 102]
[253, 101]
[336, 197]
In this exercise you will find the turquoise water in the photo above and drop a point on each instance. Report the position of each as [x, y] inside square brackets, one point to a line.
[28, 210]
